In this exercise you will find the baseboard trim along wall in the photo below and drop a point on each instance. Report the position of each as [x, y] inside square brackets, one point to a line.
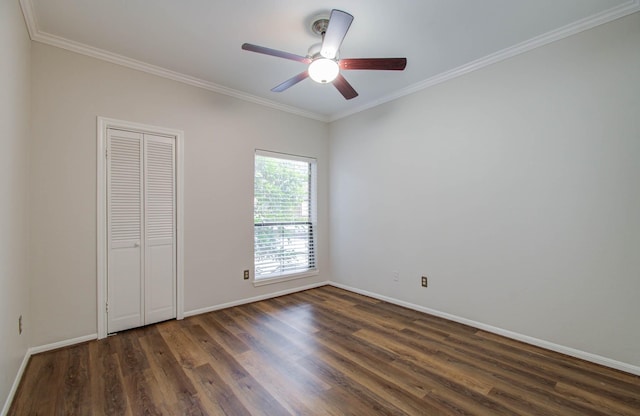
[61, 344]
[65, 343]
[607, 362]
[35, 350]
[587, 356]
[253, 299]
[16, 382]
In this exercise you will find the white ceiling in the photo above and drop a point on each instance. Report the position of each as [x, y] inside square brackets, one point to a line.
[198, 41]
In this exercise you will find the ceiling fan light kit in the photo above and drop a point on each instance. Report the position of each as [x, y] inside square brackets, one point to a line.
[324, 65]
[323, 70]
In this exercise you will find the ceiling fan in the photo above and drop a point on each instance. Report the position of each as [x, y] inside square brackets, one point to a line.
[323, 60]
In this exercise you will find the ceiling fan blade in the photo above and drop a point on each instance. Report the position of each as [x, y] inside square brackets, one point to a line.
[339, 23]
[387, 64]
[275, 52]
[290, 82]
[344, 87]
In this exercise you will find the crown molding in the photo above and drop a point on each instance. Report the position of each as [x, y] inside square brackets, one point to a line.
[43, 37]
[606, 16]
[536, 42]
[29, 17]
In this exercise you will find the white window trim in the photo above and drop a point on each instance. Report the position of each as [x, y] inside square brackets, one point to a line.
[104, 124]
[307, 273]
[294, 276]
[268, 153]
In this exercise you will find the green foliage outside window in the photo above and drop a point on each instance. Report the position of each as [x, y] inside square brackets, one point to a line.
[283, 231]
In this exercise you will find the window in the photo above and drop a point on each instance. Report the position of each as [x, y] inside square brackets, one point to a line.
[284, 215]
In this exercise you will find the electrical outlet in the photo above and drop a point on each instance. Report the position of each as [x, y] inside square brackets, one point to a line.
[20, 325]
[424, 281]
[246, 275]
[396, 276]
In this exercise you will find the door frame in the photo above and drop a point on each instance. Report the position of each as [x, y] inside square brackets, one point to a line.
[103, 124]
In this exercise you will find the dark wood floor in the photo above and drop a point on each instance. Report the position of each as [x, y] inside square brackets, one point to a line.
[320, 352]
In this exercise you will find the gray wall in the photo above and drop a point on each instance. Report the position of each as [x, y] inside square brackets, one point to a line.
[14, 177]
[221, 134]
[515, 188]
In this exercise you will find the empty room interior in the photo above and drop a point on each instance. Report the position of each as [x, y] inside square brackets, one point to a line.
[196, 220]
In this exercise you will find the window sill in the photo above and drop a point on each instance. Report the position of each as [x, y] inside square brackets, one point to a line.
[279, 279]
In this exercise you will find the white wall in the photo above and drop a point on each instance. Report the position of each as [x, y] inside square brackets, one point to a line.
[68, 92]
[14, 177]
[514, 188]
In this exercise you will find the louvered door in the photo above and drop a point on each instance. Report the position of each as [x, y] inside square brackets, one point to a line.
[141, 264]
[160, 253]
[125, 221]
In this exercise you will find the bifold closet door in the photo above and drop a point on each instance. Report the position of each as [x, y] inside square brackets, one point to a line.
[160, 227]
[124, 230]
[141, 266]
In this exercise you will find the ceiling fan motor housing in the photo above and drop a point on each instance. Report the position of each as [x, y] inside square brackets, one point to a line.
[320, 24]
[314, 52]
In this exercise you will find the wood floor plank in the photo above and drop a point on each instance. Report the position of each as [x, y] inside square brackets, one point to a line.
[428, 361]
[187, 354]
[553, 365]
[51, 389]
[221, 360]
[512, 381]
[76, 395]
[377, 361]
[217, 391]
[300, 319]
[280, 353]
[290, 390]
[169, 374]
[569, 365]
[354, 297]
[385, 389]
[144, 395]
[595, 401]
[324, 351]
[108, 384]
[217, 327]
[356, 395]
[41, 369]
[253, 396]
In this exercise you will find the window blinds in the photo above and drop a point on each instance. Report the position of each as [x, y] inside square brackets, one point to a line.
[284, 214]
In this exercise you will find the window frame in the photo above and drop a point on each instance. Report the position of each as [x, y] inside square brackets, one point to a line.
[313, 223]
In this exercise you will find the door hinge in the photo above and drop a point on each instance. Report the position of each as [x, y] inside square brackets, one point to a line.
[107, 307]
[106, 152]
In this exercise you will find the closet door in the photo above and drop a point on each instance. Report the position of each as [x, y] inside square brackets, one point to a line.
[160, 227]
[125, 230]
[141, 229]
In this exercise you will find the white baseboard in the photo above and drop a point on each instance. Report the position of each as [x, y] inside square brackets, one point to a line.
[68, 342]
[61, 344]
[16, 382]
[253, 299]
[587, 356]
[35, 350]
[594, 358]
